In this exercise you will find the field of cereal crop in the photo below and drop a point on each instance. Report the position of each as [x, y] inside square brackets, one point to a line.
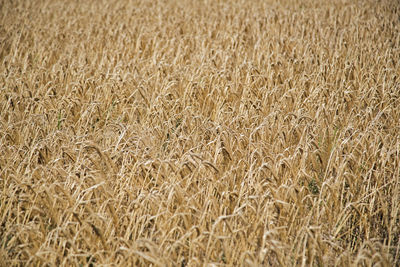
[200, 133]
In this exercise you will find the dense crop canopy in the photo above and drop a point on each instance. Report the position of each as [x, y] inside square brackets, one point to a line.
[200, 132]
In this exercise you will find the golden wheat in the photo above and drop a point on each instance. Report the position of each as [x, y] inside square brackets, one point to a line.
[240, 133]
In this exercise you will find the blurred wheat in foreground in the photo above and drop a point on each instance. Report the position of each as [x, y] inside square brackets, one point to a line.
[191, 133]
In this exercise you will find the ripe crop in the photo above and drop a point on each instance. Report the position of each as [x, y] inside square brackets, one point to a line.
[166, 133]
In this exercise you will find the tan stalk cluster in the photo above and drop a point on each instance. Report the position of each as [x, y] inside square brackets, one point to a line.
[200, 133]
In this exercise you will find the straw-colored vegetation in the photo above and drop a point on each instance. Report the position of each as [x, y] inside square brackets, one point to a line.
[200, 132]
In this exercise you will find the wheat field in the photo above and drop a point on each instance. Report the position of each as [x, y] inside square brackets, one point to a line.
[200, 133]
